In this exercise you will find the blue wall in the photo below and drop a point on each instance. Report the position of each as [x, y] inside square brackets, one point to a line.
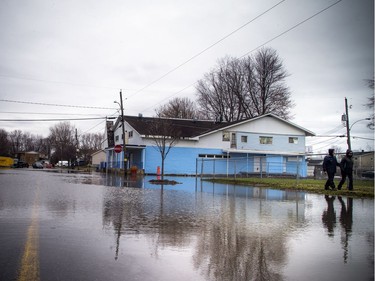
[179, 160]
[182, 161]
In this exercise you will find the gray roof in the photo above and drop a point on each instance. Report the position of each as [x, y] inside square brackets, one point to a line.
[189, 128]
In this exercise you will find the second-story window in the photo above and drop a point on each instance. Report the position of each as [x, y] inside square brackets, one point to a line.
[293, 140]
[117, 138]
[244, 139]
[130, 134]
[265, 140]
[226, 136]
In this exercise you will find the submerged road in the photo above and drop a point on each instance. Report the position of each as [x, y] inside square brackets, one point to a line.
[71, 226]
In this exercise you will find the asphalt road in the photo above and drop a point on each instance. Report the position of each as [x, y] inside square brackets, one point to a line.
[68, 226]
[71, 226]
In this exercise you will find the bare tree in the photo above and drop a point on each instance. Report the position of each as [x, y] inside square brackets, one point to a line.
[370, 105]
[16, 141]
[63, 141]
[89, 143]
[220, 90]
[265, 86]
[28, 141]
[5, 146]
[43, 146]
[165, 136]
[245, 88]
[182, 108]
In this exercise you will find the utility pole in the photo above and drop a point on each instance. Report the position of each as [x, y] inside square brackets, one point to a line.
[123, 134]
[77, 149]
[347, 124]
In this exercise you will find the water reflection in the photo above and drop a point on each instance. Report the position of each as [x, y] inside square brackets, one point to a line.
[239, 233]
[329, 215]
[235, 237]
[346, 221]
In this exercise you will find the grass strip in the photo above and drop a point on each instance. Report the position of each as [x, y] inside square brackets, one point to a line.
[362, 188]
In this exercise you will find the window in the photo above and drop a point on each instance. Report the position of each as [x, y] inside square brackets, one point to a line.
[117, 138]
[243, 138]
[293, 140]
[265, 140]
[226, 136]
[130, 134]
[294, 159]
[220, 156]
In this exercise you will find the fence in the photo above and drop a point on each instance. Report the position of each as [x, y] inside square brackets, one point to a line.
[252, 166]
[363, 172]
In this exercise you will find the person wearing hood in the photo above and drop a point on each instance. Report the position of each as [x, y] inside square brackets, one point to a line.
[346, 166]
[329, 166]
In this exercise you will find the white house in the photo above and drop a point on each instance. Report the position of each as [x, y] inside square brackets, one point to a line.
[265, 144]
[98, 157]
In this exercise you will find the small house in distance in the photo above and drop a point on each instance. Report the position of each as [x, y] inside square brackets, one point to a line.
[97, 158]
[262, 145]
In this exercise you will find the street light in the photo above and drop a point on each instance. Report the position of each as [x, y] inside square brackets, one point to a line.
[345, 118]
[348, 129]
[358, 121]
[123, 132]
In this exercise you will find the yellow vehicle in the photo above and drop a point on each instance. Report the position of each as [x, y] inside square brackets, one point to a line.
[6, 161]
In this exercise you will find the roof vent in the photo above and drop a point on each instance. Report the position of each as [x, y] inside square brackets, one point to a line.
[140, 115]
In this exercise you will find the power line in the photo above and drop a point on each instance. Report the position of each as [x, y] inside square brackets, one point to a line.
[61, 105]
[206, 49]
[323, 141]
[180, 91]
[47, 120]
[336, 129]
[293, 27]
[274, 38]
[101, 122]
[362, 138]
[46, 113]
[330, 143]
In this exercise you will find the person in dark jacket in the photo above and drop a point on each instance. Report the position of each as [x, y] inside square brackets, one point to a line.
[329, 166]
[346, 166]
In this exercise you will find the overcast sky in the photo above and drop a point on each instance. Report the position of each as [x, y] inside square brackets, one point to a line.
[83, 52]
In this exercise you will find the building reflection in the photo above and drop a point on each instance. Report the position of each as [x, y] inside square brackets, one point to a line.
[234, 233]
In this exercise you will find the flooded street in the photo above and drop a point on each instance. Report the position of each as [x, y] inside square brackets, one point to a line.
[64, 226]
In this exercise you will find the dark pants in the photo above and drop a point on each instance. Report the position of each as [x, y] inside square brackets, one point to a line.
[343, 179]
[330, 182]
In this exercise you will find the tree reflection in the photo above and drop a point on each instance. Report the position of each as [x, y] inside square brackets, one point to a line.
[232, 240]
[229, 252]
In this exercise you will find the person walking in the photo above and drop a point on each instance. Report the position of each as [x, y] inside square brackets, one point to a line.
[329, 166]
[346, 166]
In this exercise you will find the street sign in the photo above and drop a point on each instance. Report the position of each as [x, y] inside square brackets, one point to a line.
[118, 148]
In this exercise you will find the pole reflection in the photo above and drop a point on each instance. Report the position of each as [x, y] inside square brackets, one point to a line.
[235, 233]
[346, 221]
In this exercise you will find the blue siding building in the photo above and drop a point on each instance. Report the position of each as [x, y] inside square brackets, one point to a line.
[263, 145]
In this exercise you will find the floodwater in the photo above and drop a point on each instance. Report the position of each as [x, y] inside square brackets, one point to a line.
[71, 226]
